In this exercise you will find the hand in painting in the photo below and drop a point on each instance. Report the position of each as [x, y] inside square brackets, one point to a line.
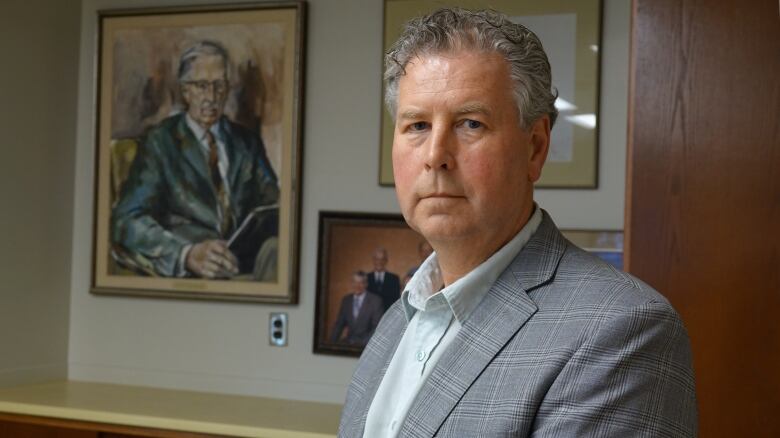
[212, 259]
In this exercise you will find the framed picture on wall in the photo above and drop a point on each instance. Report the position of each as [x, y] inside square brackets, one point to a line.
[197, 179]
[605, 244]
[570, 31]
[364, 261]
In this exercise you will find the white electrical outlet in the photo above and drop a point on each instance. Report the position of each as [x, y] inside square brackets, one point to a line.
[277, 329]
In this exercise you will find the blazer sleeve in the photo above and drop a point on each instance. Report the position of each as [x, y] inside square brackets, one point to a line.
[341, 320]
[133, 223]
[630, 378]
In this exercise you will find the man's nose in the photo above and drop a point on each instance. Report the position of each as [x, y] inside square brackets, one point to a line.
[440, 148]
[210, 94]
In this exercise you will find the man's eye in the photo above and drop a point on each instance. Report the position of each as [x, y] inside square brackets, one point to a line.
[473, 124]
[418, 126]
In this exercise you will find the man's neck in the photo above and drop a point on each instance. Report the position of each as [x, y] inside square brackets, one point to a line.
[458, 257]
[198, 128]
[359, 294]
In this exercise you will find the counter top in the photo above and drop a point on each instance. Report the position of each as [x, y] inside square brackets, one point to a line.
[189, 411]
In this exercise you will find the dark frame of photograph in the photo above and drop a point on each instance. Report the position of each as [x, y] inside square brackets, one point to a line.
[348, 243]
[243, 186]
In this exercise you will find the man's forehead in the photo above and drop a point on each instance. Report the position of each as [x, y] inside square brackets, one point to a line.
[465, 82]
[205, 65]
[464, 72]
[450, 63]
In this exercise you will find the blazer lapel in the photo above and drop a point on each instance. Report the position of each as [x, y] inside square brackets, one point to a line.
[237, 152]
[350, 313]
[378, 354]
[503, 311]
[191, 149]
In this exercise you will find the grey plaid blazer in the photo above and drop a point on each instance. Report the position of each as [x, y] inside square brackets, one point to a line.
[563, 345]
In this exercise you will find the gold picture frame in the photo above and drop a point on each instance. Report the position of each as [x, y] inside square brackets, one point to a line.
[173, 171]
[570, 31]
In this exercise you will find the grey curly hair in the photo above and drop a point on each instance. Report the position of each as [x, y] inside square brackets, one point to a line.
[448, 30]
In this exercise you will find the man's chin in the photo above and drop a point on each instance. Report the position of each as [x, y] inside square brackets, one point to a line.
[442, 227]
[208, 120]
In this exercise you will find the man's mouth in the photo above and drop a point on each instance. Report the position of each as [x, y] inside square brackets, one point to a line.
[440, 195]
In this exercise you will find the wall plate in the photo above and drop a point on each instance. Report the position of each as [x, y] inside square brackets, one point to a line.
[277, 329]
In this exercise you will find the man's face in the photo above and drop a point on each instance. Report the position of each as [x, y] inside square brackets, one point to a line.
[205, 89]
[463, 166]
[380, 260]
[359, 284]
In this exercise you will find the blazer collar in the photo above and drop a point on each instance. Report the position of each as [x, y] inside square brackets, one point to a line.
[503, 311]
[191, 149]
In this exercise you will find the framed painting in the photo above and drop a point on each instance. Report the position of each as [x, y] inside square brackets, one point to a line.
[198, 153]
[364, 262]
[570, 31]
[604, 244]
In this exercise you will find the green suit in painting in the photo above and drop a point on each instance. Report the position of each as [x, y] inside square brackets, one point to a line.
[169, 201]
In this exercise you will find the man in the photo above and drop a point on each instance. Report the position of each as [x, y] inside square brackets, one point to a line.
[385, 284]
[194, 181]
[359, 313]
[507, 329]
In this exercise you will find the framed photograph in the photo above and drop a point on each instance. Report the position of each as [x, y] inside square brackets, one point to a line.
[570, 31]
[364, 262]
[607, 245]
[198, 151]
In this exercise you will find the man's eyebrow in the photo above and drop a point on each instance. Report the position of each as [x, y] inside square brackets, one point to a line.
[469, 108]
[473, 107]
[411, 114]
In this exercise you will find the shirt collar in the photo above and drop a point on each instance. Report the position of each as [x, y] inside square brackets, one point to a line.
[463, 296]
[200, 133]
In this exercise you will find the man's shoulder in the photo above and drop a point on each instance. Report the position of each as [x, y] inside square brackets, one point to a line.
[587, 282]
[373, 298]
[168, 124]
[236, 130]
[166, 130]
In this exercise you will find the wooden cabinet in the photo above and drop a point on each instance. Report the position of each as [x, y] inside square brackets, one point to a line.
[28, 426]
[97, 410]
[703, 195]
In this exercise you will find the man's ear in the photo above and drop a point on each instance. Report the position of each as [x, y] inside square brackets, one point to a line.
[539, 145]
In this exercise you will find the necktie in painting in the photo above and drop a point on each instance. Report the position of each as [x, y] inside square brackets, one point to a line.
[226, 218]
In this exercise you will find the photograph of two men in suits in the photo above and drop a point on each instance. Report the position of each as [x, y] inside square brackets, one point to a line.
[371, 293]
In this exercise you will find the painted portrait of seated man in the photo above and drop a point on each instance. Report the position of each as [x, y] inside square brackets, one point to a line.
[201, 197]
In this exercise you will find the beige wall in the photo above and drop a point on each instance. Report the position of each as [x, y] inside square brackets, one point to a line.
[222, 346]
[38, 79]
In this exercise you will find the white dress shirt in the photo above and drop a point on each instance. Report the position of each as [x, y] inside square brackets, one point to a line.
[357, 303]
[435, 316]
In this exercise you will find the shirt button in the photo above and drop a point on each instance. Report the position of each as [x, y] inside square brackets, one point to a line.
[393, 425]
[420, 356]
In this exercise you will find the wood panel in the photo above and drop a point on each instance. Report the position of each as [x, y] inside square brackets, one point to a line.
[29, 426]
[703, 194]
